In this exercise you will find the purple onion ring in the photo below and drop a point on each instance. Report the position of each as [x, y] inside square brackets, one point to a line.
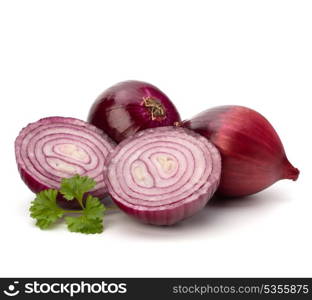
[56, 147]
[163, 175]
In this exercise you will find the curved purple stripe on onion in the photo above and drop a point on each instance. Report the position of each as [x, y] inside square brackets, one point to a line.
[163, 175]
[54, 148]
[130, 106]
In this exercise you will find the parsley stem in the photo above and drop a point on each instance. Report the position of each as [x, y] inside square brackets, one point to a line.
[72, 211]
[79, 199]
[111, 207]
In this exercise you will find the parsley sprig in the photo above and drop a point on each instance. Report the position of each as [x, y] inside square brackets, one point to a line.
[45, 210]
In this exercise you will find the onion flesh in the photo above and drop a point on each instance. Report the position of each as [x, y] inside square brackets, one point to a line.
[55, 147]
[253, 156]
[130, 106]
[163, 175]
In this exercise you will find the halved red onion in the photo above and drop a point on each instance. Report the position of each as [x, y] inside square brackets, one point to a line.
[163, 175]
[56, 147]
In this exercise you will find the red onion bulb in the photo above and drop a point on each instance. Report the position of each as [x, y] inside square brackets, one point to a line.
[56, 147]
[163, 175]
[130, 106]
[253, 156]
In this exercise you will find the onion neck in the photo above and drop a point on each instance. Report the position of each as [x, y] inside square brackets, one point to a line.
[290, 172]
[155, 108]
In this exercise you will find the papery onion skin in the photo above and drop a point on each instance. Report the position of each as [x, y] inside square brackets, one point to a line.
[130, 106]
[37, 143]
[253, 157]
[163, 175]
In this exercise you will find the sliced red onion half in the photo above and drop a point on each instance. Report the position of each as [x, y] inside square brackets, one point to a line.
[56, 147]
[163, 175]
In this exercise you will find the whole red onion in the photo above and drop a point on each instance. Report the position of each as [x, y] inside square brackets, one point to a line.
[163, 175]
[56, 147]
[253, 156]
[130, 106]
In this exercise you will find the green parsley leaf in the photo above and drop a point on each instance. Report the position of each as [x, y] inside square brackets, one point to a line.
[45, 210]
[84, 224]
[91, 220]
[76, 186]
[94, 209]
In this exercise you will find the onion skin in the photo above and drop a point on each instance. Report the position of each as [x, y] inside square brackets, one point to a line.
[130, 106]
[38, 147]
[253, 157]
[163, 175]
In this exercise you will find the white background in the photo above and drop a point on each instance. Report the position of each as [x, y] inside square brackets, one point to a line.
[57, 56]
